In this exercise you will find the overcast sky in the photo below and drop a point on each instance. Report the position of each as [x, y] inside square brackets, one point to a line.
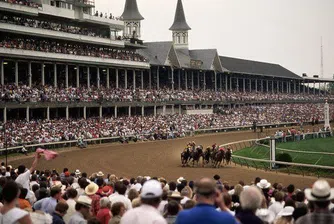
[285, 32]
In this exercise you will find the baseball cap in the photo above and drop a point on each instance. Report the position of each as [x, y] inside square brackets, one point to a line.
[151, 189]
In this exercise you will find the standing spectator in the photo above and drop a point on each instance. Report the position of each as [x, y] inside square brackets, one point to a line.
[90, 191]
[119, 195]
[58, 214]
[10, 214]
[49, 204]
[23, 203]
[250, 199]
[147, 212]
[278, 204]
[117, 210]
[71, 195]
[285, 216]
[207, 197]
[82, 208]
[104, 214]
[320, 196]
[173, 209]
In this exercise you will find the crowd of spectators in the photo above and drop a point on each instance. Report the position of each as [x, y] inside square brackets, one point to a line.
[72, 197]
[59, 47]
[156, 127]
[29, 22]
[97, 14]
[23, 93]
[22, 2]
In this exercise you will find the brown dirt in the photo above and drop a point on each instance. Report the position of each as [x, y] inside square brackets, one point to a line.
[159, 158]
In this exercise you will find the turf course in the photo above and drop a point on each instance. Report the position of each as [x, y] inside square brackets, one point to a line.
[314, 145]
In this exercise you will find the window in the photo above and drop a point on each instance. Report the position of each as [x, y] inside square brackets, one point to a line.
[178, 39]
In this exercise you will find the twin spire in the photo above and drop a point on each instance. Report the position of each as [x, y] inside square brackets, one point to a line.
[180, 23]
[131, 11]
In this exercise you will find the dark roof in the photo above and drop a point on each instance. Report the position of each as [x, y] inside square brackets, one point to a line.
[156, 52]
[131, 11]
[256, 68]
[180, 22]
[207, 56]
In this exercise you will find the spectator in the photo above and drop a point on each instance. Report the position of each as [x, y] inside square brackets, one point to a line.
[189, 204]
[320, 196]
[147, 213]
[9, 213]
[285, 216]
[173, 208]
[117, 210]
[250, 199]
[58, 214]
[82, 208]
[71, 201]
[204, 212]
[119, 195]
[104, 214]
[278, 204]
[90, 191]
[49, 204]
[23, 203]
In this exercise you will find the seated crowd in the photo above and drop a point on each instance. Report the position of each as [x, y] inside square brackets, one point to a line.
[22, 2]
[155, 127]
[72, 197]
[54, 46]
[49, 25]
[24, 93]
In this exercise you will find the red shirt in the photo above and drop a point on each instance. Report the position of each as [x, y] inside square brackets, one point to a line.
[104, 215]
[95, 203]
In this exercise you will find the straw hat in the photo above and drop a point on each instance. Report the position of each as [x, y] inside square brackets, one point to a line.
[100, 174]
[287, 211]
[77, 172]
[84, 200]
[175, 195]
[321, 191]
[91, 189]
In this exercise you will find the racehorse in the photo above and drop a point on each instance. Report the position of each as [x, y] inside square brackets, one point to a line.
[206, 156]
[185, 156]
[218, 158]
[197, 154]
[228, 156]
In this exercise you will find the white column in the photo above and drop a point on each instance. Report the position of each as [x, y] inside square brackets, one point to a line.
[164, 110]
[2, 71]
[134, 79]
[5, 114]
[126, 78]
[88, 77]
[66, 75]
[55, 75]
[115, 111]
[244, 84]
[142, 79]
[172, 78]
[204, 74]
[319, 88]
[155, 110]
[237, 83]
[100, 111]
[143, 111]
[48, 113]
[198, 83]
[108, 78]
[98, 77]
[173, 109]
[186, 79]
[78, 78]
[27, 114]
[192, 81]
[29, 74]
[43, 74]
[230, 83]
[277, 86]
[250, 85]
[226, 84]
[129, 111]
[85, 112]
[158, 78]
[117, 83]
[261, 85]
[256, 85]
[16, 73]
[267, 85]
[67, 113]
[313, 88]
[272, 86]
[180, 109]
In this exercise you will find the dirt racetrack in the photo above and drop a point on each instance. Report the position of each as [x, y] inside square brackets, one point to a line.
[161, 159]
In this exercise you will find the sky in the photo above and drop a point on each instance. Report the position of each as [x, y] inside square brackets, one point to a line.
[285, 32]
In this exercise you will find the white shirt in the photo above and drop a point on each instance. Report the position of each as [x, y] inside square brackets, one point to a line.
[120, 198]
[276, 207]
[32, 183]
[184, 200]
[24, 180]
[40, 218]
[161, 207]
[71, 210]
[12, 216]
[145, 214]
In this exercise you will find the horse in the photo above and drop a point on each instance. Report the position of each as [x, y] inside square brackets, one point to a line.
[206, 156]
[228, 156]
[185, 157]
[197, 154]
[218, 158]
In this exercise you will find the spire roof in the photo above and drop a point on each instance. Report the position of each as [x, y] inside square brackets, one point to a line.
[131, 11]
[180, 22]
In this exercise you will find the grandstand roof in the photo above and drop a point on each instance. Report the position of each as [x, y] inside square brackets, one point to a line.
[180, 23]
[237, 65]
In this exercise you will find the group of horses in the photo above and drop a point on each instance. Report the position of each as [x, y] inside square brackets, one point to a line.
[213, 156]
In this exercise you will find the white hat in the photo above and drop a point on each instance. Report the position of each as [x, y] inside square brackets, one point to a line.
[100, 174]
[147, 177]
[180, 180]
[265, 215]
[263, 184]
[77, 172]
[321, 191]
[84, 200]
[287, 211]
[91, 189]
[151, 189]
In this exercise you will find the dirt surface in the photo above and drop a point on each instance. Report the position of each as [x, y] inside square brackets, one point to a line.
[161, 159]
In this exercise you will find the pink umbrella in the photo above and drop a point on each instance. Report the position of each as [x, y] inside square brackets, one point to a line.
[49, 155]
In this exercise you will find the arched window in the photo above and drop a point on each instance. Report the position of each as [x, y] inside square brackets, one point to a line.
[178, 39]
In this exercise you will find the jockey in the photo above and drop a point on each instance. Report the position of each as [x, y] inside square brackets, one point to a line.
[222, 149]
